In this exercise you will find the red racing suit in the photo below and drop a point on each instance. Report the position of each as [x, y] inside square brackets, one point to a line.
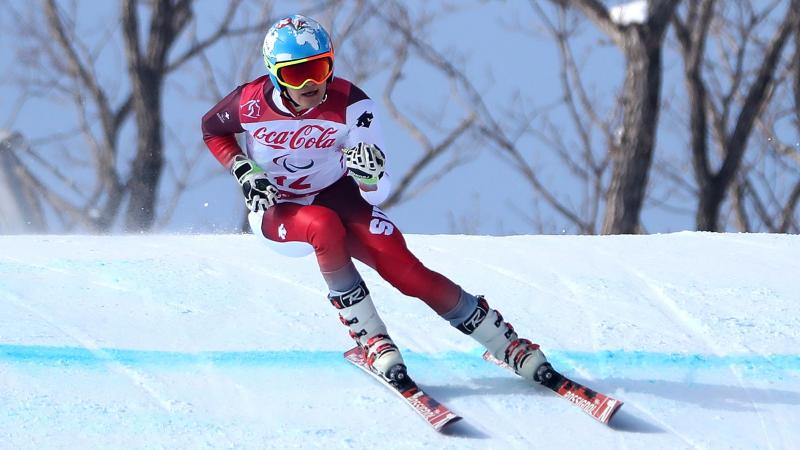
[318, 204]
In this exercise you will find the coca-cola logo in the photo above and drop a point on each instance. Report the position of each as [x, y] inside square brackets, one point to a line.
[307, 137]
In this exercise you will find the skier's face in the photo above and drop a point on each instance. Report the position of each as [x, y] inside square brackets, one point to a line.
[309, 95]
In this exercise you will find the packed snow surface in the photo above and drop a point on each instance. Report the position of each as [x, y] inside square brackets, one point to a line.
[214, 342]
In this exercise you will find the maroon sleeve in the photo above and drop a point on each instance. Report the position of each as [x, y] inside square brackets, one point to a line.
[356, 95]
[220, 126]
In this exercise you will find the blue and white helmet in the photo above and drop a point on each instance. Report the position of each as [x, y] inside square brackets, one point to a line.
[292, 38]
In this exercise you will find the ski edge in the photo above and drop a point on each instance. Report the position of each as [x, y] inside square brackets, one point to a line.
[602, 409]
[415, 397]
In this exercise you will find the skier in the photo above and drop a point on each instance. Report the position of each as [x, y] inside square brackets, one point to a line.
[314, 155]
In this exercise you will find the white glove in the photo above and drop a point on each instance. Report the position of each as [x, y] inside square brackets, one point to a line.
[258, 192]
[365, 162]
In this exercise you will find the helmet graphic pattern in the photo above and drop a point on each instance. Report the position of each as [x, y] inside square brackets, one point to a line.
[292, 38]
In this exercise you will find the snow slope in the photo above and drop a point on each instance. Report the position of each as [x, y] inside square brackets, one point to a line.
[214, 342]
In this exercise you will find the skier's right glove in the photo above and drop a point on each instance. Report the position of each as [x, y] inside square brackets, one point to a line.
[258, 192]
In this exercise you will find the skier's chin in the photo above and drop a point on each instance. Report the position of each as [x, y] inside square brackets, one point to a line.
[309, 98]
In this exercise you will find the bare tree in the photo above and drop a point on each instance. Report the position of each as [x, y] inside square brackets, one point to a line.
[20, 210]
[68, 64]
[642, 45]
[608, 152]
[407, 185]
[481, 120]
[577, 147]
[766, 193]
[717, 108]
[154, 51]
[147, 70]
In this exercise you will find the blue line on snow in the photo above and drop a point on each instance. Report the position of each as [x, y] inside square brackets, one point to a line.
[600, 363]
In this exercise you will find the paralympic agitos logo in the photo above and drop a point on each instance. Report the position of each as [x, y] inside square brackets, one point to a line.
[307, 137]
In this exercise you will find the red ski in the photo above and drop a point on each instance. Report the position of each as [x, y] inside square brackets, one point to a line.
[435, 413]
[600, 406]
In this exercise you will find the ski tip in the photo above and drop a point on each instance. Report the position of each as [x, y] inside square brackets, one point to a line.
[446, 426]
[614, 410]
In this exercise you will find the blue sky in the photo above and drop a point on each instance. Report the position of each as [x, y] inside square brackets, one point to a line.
[495, 43]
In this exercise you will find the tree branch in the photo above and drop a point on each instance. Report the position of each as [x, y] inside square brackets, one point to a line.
[787, 216]
[796, 7]
[222, 31]
[79, 69]
[597, 13]
[430, 152]
[756, 98]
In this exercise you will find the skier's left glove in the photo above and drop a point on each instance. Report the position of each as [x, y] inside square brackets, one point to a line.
[365, 162]
[258, 192]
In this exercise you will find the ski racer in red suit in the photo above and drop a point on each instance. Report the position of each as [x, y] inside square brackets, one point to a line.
[311, 171]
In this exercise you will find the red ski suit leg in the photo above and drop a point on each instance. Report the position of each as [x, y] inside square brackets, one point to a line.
[340, 224]
[317, 225]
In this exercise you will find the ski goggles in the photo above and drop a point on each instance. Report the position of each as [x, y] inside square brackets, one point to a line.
[296, 74]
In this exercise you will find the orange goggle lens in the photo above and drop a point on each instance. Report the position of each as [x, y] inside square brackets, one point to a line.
[297, 75]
